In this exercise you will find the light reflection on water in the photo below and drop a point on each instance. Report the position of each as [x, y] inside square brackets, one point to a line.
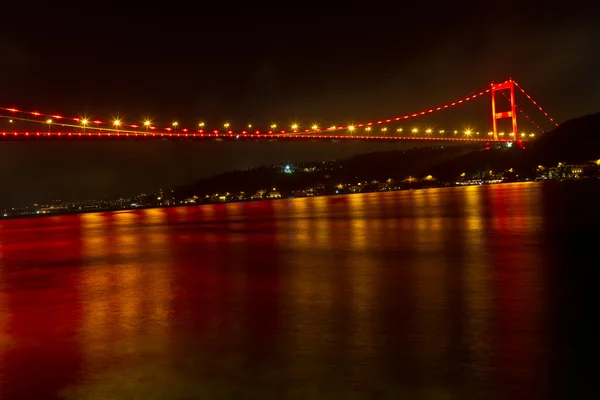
[441, 293]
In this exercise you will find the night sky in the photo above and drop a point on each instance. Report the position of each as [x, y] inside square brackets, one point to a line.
[262, 65]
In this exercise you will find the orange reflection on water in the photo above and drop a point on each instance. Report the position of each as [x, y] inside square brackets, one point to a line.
[125, 286]
[309, 288]
[431, 277]
[477, 285]
[362, 272]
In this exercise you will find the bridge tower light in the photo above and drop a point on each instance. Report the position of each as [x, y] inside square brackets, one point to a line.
[512, 114]
[84, 122]
[147, 124]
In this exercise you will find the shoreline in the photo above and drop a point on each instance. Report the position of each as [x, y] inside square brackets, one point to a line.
[111, 210]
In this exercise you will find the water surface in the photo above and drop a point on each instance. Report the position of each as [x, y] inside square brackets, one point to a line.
[458, 293]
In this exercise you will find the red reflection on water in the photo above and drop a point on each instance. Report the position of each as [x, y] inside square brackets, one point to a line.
[518, 330]
[42, 314]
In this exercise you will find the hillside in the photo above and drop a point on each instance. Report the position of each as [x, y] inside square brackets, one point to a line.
[574, 141]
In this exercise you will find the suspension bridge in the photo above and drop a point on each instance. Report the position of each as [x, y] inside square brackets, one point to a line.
[53, 126]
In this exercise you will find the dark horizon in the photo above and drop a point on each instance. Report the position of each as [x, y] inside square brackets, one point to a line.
[263, 65]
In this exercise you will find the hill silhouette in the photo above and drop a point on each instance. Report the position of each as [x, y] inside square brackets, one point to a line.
[575, 141]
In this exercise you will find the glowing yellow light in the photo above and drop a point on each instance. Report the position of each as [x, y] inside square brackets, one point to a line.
[383, 129]
[428, 130]
[351, 128]
[295, 127]
[147, 122]
[532, 135]
[315, 127]
[442, 131]
[49, 121]
[523, 134]
[455, 132]
[501, 133]
[116, 122]
[399, 129]
[333, 128]
[415, 130]
[490, 133]
[10, 120]
[368, 129]
[273, 126]
[175, 124]
[84, 121]
[249, 125]
[226, 125]
[468, 132]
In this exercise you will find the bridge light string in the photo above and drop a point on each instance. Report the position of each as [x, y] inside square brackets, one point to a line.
[272, 131]
[121, 134]
[124, 133]
[534, 102]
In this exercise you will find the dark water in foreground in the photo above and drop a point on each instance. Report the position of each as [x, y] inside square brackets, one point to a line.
[476, 292]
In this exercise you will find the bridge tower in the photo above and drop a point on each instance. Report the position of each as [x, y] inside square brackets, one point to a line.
[508, 85]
